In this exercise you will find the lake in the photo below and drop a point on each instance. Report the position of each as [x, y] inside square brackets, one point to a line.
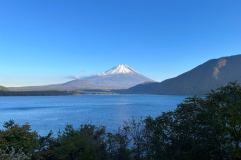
[45, 113]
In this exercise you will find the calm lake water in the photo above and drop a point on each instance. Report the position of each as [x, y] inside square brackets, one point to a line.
[46, 113]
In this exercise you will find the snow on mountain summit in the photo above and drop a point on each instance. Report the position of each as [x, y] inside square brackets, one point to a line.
[119, 77]
[120, 69]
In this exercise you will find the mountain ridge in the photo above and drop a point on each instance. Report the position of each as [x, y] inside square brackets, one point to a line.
[120, 69]
[210, 75]
[119, 77]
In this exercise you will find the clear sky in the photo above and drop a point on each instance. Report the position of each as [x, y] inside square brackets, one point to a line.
[49, 41]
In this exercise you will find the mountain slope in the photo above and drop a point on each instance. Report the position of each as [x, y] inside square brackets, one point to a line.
[210, 75]
[2, 88]
[119, 77]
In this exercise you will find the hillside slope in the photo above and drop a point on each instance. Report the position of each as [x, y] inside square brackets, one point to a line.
[210, 75]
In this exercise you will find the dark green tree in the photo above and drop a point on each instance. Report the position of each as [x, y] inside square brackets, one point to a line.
[18, 137]
[87, 143]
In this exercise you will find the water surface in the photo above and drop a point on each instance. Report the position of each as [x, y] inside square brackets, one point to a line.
[46, 113]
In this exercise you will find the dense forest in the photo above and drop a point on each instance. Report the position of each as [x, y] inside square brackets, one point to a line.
[201, 128]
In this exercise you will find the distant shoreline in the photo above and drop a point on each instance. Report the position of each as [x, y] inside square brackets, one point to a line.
[56, 93]
[35, 93]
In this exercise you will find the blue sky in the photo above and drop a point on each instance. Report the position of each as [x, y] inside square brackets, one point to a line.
[48, 41]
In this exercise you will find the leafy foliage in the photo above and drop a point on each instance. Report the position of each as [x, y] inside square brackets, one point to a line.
[12, 154]
[18, 137]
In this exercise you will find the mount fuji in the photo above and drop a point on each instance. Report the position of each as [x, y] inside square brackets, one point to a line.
[119, 77]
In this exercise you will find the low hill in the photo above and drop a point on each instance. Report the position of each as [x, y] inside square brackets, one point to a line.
[3, 88]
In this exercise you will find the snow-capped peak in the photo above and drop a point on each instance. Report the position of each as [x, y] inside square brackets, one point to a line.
[120, 69]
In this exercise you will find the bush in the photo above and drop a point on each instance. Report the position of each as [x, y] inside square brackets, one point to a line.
[21, 138]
